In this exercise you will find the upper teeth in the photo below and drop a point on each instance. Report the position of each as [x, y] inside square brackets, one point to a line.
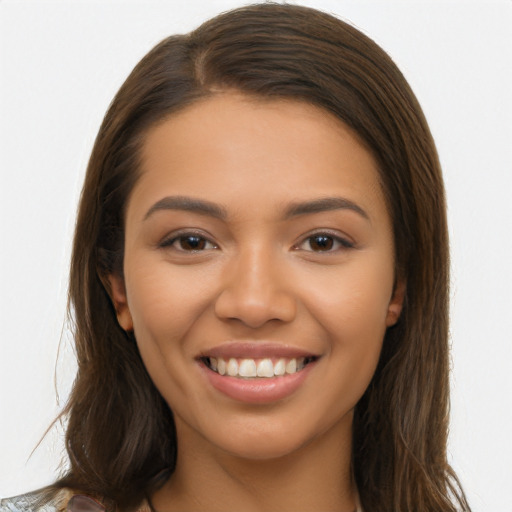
[255, 368]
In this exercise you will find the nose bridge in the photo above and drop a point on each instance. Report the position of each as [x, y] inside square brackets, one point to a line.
[256, 267]
[255, 290]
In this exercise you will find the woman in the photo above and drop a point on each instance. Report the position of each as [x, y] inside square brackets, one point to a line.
[259, 281]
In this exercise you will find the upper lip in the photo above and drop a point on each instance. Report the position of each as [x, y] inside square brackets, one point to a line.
[255, 350]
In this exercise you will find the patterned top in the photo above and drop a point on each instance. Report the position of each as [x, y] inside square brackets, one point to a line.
[65, 501]
[68, 501]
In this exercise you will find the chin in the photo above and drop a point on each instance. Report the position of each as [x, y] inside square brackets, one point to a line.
[263, 447]
[269, 440]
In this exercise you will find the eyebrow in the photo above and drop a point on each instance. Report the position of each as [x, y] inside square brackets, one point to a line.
[296, 209]
[322, 205]
[188, 204]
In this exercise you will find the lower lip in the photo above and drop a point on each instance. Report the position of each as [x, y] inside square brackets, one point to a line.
[257, 390]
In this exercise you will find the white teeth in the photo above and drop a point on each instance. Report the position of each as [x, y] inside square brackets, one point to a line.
[280, 367]
[247, 368]
[232, 368]
[291, 366]
[265, 368]
[221, 366]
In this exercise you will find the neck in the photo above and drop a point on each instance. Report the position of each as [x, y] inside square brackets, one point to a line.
[314, 477]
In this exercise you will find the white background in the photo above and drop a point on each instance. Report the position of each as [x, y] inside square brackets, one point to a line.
[62, 62]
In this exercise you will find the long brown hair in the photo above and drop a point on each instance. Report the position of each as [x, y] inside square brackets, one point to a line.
[120, 436]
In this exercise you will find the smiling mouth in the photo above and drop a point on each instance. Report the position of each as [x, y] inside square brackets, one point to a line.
[264, 368]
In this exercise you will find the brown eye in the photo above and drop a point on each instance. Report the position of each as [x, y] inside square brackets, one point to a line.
[321, 243]
[324, 242]
[189, 242]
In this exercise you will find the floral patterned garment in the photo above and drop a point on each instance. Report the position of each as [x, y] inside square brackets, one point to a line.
[65, 501]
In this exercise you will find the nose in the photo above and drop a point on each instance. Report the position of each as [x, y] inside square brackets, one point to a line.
[256, 290]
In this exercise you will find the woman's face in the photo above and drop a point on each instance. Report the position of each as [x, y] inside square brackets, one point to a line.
[257, 242]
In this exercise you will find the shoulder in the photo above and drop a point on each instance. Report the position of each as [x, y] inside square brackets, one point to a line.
[64, 501]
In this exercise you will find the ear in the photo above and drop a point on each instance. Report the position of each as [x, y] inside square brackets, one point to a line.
[396, 303]
[117, 292]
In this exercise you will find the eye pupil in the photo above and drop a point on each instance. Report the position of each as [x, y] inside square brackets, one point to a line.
[321, 243]
[192, 243]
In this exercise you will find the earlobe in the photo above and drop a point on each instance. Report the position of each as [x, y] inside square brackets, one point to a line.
[120, 302]
[396, 304]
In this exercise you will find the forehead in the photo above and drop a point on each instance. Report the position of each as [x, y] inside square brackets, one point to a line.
[237, 149]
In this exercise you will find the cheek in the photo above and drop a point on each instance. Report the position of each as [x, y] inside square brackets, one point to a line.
[165, 306]
[353, 301]
[353, 316]
[165, 301]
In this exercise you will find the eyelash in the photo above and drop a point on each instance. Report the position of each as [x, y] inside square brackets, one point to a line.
[336, 241]
[170, 242]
